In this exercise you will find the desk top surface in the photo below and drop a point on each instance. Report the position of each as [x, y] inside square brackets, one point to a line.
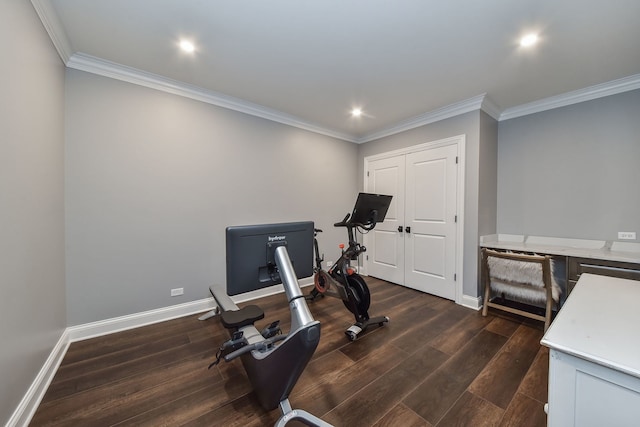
[593, 249]
[599, 323]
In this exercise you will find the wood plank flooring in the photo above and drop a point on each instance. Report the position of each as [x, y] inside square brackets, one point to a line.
[435, 364]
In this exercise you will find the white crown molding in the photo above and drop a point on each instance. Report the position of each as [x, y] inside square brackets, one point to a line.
[451, 110]
[491, 108]
[54, 28]
[110, 69]
[91, 64]
[587, 94]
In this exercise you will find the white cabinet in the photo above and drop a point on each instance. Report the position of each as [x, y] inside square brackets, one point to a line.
[594, 363]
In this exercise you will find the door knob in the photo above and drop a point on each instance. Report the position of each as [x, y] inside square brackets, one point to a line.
[407, 229]
[400, 229]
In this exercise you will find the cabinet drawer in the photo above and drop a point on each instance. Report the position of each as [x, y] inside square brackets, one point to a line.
[623, 270]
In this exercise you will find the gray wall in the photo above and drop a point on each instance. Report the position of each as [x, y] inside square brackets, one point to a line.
[153, 179]
[487, 175]
[573, 171]
[474, 125]
[32, 306]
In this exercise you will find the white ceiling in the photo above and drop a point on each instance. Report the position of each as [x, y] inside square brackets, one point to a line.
[308, 63]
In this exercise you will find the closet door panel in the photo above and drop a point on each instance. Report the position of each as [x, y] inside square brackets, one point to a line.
[431, 194]
[385, 244]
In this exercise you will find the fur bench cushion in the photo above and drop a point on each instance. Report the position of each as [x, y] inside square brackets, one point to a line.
[521, 279]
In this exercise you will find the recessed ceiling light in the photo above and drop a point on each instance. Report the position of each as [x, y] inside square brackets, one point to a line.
[356, 112]
[187, 46]
[529, 40]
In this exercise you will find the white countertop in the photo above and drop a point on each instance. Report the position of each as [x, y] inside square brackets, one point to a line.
[599, 322]
[593, 249]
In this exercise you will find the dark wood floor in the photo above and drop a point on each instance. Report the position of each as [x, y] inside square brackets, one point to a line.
[435, 364]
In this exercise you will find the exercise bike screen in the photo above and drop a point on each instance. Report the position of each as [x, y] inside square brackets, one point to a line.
[250, 250]
[366, 204]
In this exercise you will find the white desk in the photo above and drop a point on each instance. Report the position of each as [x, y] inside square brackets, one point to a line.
[579, 248]
[594, 363]
[607, 258]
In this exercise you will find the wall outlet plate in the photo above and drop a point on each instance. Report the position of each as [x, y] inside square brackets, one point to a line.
[177, 291]
[626, 235]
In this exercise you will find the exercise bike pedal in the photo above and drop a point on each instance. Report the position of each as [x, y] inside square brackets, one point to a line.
[313, 295]
[236, 342]
[272, 330]
[312, 298]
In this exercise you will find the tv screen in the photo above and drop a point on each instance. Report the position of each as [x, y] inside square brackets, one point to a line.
[250, 249]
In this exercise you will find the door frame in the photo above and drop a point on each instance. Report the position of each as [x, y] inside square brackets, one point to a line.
[460, 142]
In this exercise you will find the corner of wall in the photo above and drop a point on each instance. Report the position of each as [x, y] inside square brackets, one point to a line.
[32, 398]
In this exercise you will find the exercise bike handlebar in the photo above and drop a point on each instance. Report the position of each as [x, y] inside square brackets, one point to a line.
[350, 224]
[344, 222]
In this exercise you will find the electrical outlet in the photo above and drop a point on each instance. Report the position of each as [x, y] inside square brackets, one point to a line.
[177, 291]
[626, 235]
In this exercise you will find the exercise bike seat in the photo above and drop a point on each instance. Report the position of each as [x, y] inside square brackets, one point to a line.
[236, 319]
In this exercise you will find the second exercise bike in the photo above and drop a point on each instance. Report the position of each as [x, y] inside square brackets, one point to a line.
[341, 280]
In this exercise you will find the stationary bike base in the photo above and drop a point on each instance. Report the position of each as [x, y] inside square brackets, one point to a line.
[355, 297]
[354, 330]
[304, 417]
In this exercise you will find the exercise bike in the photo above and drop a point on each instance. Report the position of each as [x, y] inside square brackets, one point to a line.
[341, 280]
[259, 256]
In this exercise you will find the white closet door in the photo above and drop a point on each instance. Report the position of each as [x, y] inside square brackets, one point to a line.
[430, 215]
[385, 245]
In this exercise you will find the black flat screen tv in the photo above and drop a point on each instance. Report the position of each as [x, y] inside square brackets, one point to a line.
[250, 251]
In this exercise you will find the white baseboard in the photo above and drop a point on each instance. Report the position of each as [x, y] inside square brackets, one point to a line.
[272, 290]
[136, 320]
[471, 302]
[32, 398]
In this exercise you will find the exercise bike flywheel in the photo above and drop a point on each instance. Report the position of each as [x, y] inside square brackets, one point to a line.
[360, 290]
